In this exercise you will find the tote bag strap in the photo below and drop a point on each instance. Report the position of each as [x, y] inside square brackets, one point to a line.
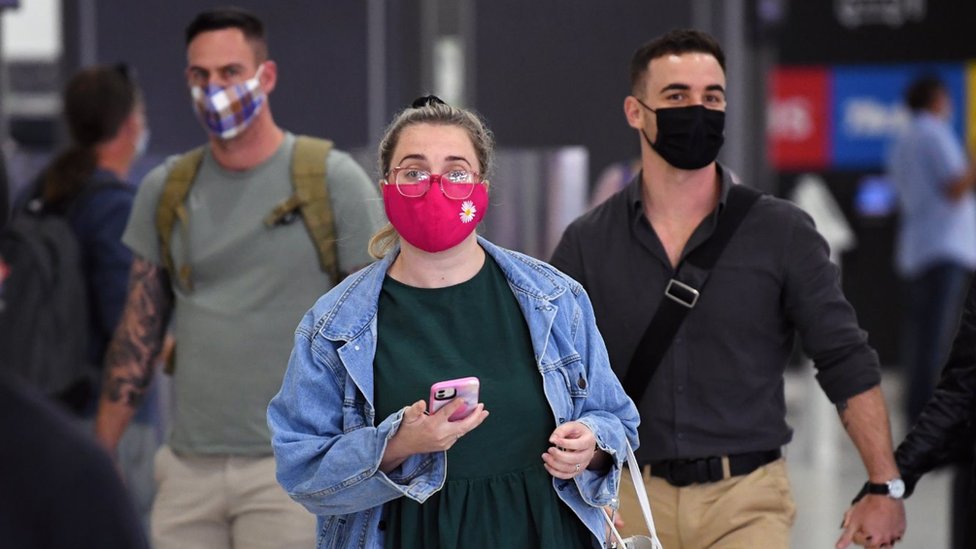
[635, 475]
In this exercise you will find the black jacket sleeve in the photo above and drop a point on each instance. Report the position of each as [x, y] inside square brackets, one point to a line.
[944, 430]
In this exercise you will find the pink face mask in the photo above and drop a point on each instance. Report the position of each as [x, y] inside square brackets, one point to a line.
[434, 222]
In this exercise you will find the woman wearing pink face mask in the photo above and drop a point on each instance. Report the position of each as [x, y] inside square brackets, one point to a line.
[353, 437]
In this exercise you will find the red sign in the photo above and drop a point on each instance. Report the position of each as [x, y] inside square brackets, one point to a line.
[799, 118]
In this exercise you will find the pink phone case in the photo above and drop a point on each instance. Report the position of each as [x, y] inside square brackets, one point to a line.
[443, 392]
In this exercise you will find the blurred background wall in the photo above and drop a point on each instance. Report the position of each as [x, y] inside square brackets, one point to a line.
[814, 88]
[835, 101]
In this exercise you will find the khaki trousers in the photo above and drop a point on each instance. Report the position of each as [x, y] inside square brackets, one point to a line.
[223, 502]
[744, 512]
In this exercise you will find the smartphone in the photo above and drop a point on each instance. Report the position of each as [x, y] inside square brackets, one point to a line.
[443, 392]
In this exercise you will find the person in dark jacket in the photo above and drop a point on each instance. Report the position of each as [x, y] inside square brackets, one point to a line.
[104, 113]
[105, 117]
[944, 432]
[59, 488]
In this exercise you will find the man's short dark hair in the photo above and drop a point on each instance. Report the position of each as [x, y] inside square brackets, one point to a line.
[675, 42]
[231, 18]
[921, 93]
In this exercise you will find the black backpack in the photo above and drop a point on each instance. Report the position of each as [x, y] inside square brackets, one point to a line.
[44, 307]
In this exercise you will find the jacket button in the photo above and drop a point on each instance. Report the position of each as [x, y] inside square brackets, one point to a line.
[581, 383]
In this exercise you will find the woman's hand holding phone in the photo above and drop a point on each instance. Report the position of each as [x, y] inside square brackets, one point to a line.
[420, 433]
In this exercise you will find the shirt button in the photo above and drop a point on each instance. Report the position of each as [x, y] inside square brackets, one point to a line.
[680, 389]
[681, 436]
[679, 340]
[356, 347]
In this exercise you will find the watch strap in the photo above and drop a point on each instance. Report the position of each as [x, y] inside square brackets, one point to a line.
[883, 489]
[877, 489]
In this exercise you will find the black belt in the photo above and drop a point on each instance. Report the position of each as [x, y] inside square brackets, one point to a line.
[684, 472]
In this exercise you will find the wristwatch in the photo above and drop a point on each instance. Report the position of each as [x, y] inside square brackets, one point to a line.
[894, 489]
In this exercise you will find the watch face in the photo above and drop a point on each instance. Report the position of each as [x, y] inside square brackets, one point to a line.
[896, 488]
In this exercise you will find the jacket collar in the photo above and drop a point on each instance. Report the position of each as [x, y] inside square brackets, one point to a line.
[354, 309]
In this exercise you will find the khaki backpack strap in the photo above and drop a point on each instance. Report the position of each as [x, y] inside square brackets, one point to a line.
[312, 192]
[172, 208]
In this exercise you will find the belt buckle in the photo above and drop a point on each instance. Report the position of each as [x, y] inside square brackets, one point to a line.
[681, 293]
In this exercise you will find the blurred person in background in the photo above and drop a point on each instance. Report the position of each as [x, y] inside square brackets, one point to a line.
[105, 116]
[236, 218]
[705, 364]
[59, 488]
[936, 242]
[352, 435]
[104, 112]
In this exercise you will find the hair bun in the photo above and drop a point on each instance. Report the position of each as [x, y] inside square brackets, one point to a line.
[426, 101]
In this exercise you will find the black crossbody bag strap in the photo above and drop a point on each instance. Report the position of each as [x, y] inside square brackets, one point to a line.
[680, 296]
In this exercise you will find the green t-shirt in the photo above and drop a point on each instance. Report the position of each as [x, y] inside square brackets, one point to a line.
[235, 330]
[497, 492]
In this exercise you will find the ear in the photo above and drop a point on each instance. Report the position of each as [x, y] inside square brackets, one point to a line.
[269, 76]
[633, 111]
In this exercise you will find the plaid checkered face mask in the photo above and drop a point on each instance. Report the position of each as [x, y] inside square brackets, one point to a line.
[228, 111]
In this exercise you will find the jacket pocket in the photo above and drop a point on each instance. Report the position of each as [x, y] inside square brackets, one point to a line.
[333, 534]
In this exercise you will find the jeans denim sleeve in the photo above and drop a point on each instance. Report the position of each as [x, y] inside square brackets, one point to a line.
[323, 462]
[608, 412]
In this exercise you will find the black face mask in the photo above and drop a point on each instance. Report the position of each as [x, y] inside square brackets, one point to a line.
[688, 138]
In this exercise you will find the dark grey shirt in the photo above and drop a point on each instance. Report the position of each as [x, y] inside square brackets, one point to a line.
[719, 388]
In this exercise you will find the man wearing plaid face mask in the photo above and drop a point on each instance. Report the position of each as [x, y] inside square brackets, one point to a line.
[253, 273]
[227, 111]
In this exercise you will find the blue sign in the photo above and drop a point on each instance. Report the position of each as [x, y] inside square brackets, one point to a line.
[868, 109]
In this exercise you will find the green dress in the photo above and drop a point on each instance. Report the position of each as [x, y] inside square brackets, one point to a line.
[497, 492]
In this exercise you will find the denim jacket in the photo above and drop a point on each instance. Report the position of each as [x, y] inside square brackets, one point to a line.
[328, 443]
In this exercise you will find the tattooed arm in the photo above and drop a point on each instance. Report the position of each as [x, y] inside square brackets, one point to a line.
[878, 519]
[134, 347]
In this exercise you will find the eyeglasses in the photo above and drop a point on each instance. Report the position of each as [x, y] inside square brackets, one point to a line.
[456, 184]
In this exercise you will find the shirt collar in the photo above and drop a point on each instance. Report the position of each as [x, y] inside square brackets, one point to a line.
[726, 180]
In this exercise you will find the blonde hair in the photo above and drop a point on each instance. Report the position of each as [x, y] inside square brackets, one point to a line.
[429, 110]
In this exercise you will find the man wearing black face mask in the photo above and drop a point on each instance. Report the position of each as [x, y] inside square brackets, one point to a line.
[705, 362]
